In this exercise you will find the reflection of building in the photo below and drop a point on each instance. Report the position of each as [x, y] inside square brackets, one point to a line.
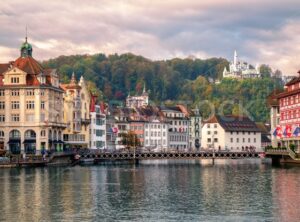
[239, 69]
[138, 101]
[31, 107]
[235, 133]
[76, 114]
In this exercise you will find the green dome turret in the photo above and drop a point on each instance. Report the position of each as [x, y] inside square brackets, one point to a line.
[26, 49]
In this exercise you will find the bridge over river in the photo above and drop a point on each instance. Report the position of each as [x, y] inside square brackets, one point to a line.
[98, 157]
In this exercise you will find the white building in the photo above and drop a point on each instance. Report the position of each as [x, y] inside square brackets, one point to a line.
[138, 101]
[177, 116]
[240, 69]
[98, 128]
[156, 135]
[233, 133]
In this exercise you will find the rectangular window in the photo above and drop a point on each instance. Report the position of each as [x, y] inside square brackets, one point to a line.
[15, 118]
[209, 140]
[42, 105]
[2, 105]
[248, 140]
[2, 92]
[254, 140]
[2, 118]
[231, 140]
[237, 140]
[208, 125]
[15, 92]
[215, 140]
[14, 80]
[208, 132]
[29, 104]
[215, 125]
[42, 92]
[15, 105]
[29, 92]
[243, 140]
[216, 132]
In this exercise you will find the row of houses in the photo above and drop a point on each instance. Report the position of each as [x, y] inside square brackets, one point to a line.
[38, 113]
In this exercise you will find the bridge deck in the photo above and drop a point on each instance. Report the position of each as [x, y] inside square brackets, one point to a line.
[171, 155]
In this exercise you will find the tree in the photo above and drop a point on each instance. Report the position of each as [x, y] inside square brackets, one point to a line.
[265, 71]
[130, 140]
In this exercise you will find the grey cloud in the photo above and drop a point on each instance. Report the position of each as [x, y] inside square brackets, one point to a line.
[154, 29]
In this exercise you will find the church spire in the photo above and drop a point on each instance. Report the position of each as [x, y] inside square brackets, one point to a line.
[73, 79]
[235, 58]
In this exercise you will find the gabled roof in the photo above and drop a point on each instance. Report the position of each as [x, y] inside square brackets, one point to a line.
[294, 80]
[235, 123]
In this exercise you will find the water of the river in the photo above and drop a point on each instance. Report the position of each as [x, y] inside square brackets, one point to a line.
[235, 190]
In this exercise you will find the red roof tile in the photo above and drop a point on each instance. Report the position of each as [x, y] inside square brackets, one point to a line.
[28, 65]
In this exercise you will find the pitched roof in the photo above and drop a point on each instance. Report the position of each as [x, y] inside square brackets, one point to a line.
[235, 123]
[4, 67]
[28, 65]
[294, 80]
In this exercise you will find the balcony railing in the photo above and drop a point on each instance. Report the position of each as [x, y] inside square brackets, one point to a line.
[85, 121]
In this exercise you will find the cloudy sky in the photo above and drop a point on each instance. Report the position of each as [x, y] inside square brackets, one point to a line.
[262, 31]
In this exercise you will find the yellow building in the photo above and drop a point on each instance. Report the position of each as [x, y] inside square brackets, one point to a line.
[31, 106]
[76, 114]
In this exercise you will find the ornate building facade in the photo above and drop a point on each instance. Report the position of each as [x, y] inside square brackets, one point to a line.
[31, 106]
[76, 105]
[240, 69]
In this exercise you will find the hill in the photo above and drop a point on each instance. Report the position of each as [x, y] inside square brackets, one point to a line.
[169, 80]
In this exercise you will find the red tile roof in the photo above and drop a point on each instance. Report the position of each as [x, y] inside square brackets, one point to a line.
[28, 65]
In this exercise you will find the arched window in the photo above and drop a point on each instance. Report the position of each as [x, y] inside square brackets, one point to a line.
[15, 134]
[30, 134]
[1, 134]
[43, 133]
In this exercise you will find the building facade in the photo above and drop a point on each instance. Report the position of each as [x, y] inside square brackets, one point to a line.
[156, 135]
[285, 115]
[31, 106]
[76, 114]
[195, 129]
[231, 133]
[240, 69]
[138, 101]
[97, 128]
[178, 131]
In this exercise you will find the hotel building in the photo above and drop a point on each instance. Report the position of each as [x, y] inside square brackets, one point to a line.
[31, 106]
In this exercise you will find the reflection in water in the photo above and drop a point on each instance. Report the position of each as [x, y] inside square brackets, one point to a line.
[235, 190]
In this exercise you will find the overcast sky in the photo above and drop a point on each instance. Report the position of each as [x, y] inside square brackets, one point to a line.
[262, 31]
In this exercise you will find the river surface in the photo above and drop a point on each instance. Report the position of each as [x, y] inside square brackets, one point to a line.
[230, 190]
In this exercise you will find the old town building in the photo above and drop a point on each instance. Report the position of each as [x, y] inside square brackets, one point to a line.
[76, 106]
[285, 115]
[31, 105]
[232, 133]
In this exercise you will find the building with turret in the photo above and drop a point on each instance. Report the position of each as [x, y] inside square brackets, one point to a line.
[138, 101]
[241, 70]
[31, 106]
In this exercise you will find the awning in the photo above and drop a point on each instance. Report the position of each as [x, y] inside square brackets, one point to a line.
[60, 141]
[13, 141]
[29, 141]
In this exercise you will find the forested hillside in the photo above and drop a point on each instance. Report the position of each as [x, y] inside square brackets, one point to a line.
[169, 81]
